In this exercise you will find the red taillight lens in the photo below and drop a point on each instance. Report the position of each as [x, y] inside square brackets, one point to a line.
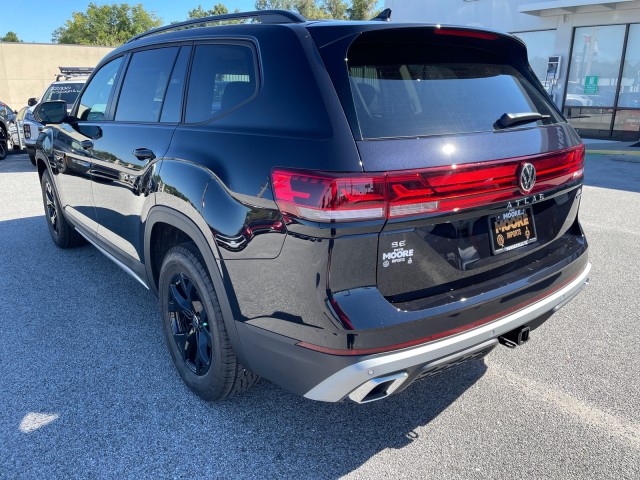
[328, 197]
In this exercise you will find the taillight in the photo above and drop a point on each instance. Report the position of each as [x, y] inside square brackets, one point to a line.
[336, 197]
[326, 197]
[455, 32]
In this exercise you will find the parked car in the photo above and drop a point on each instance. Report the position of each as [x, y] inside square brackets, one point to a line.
[66, 87]
[577, 100]
[364, 205]
[8, 130]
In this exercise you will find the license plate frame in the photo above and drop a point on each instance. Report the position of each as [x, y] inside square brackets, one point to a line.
[512, 229]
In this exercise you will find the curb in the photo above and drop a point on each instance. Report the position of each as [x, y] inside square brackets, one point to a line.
[618, 156]
[613, 152]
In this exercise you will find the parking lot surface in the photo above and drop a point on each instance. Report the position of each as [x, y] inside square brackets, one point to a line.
[88, 390]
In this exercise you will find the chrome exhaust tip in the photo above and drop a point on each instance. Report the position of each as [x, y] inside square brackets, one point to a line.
[378, 388]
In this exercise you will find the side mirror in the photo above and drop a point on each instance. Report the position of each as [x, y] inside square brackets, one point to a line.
[32, 101]
[54, 111]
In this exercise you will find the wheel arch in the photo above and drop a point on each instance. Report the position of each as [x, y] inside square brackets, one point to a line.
[162, 219]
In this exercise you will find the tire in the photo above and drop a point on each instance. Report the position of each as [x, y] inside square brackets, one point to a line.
[194, 329]
[32, 156]
[3, 144]
[62, 233]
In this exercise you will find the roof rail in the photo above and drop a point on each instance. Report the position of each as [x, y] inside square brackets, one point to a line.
[265, 16]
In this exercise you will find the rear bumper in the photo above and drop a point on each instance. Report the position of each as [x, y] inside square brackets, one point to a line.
[401, 367]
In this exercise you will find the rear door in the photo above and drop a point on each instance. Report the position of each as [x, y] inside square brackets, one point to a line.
[147, 111]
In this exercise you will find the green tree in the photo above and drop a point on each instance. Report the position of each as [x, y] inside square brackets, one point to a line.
[10, 37]
[310, 9]
[362, 9]
[106, 25]
[218, 9]
[336, 9]
[275, 4]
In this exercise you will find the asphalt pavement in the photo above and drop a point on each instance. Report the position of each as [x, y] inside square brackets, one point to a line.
[88, 390]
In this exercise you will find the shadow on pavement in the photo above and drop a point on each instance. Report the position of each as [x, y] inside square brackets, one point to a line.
[89, 390]
[16, 162]
[605, 171]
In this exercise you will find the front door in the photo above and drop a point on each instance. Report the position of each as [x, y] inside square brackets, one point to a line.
[73, 147]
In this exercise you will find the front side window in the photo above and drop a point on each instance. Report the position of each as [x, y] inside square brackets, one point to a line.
[145, 84]
[222, 78]
[93, 103]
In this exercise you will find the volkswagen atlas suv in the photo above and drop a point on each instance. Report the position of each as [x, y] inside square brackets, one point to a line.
[340, 207]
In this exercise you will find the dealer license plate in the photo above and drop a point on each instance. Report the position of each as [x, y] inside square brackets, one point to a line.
[512, 229]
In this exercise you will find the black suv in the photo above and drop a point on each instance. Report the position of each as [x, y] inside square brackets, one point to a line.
[340, 207]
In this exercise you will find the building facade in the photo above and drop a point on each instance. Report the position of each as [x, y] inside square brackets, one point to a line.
[585, 52]
[27, 69]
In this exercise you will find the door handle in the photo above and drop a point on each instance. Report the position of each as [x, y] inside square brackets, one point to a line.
[144, 154]
[86, 144]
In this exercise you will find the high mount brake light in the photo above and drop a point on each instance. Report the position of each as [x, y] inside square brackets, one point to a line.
[454, 32]
[337, 197]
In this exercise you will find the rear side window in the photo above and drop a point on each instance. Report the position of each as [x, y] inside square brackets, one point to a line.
[424, 97]
[222, 78]
[145, 84]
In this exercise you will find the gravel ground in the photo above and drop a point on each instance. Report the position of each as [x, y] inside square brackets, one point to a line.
[87, 388]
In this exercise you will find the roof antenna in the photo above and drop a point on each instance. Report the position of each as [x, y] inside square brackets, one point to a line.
[383, 16]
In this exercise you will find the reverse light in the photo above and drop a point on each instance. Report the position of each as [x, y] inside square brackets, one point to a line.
[338, 197]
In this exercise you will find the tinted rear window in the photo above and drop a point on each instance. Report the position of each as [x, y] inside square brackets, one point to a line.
[423, 97]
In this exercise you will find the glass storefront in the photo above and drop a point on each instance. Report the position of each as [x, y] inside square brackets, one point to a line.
[540, 47]
[602, 97]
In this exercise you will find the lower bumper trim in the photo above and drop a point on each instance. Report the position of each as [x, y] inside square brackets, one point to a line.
[347, 380]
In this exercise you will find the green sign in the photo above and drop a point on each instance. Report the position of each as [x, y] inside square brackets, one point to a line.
[591, 84]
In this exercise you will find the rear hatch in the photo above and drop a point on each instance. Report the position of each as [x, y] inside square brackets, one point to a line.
[481, 174]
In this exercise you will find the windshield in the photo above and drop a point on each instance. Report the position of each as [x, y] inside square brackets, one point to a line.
[63, 91]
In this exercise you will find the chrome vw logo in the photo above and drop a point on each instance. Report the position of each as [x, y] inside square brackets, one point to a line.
[527, 177]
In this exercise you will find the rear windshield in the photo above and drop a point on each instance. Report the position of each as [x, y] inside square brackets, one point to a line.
[422, 98]
[63, 91]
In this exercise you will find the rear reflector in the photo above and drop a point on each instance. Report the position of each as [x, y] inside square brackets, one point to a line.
[337, 197]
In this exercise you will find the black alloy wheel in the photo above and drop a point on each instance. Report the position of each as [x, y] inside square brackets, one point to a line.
[51, 207]
[189, 324]
[194, 329]
[62, 233]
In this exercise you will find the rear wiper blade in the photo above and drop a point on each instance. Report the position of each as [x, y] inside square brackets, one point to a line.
[510, 119]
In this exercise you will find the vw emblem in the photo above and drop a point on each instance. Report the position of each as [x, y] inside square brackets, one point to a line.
[527, 177]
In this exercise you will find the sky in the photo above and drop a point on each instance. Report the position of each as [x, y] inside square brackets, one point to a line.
[35, 20]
